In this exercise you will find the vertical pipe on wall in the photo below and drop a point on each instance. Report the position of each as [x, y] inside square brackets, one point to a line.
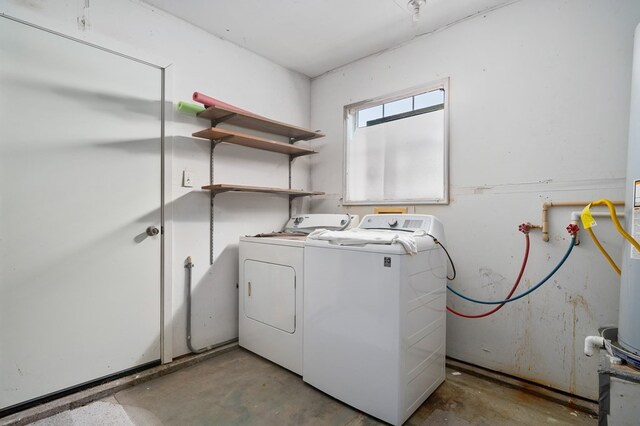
[211, 214]
[291, 157]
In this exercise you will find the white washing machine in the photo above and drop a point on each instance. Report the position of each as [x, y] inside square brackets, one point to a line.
[375, 317]
[271, 288]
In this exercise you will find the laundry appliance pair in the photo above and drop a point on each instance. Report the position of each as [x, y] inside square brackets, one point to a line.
[360, 313]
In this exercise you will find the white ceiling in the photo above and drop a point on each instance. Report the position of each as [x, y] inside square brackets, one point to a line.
[315, 36]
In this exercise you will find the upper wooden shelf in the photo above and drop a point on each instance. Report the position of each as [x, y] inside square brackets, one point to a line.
[251, 141]
[255, 122]
[219, 188]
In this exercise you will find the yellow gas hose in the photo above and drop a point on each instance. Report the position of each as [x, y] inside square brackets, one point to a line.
[588, 222]
[603, 251]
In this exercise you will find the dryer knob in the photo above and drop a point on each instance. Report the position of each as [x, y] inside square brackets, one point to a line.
[393, 222]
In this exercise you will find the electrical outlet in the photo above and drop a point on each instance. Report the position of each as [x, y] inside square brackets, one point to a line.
[187, 179]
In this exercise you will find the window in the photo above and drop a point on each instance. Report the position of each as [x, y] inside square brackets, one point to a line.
[396, 148]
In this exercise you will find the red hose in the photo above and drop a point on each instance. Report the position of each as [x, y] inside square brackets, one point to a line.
[513, 289]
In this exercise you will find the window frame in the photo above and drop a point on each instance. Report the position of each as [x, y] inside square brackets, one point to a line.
[351, 111]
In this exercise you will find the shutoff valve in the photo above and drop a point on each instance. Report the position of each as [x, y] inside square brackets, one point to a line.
[524, 228]
[573, 229]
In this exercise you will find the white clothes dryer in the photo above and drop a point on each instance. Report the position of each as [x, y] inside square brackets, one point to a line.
[271, 288]
[375, 315]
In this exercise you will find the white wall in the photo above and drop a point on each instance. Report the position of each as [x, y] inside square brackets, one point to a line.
[204, 63]
[539, 104]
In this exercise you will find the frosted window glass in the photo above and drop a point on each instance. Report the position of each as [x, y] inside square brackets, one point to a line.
[400, 160]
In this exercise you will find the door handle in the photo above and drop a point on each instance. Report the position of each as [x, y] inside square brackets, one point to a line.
[249, 288]
[152, 231]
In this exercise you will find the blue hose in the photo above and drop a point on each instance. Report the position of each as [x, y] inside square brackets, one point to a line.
[532, 289]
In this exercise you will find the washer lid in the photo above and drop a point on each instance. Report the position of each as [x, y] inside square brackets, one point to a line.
[410, 242]
[422, 244]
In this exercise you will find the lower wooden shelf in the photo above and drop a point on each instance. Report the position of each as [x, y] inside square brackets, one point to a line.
[221, 187]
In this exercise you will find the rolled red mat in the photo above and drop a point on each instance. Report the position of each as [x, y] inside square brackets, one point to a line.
[209, 101]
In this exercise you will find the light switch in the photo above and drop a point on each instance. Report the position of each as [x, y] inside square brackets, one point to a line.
[187, 179]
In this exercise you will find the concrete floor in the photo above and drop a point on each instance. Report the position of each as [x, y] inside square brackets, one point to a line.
[240, 388]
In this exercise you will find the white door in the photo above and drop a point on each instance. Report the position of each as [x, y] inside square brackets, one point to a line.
[80, 181]
[270, 294]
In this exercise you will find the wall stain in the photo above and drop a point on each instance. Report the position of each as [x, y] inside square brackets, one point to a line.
[481, 189]
[489, 277]
[33, 4]
[523, 355]
[575, 301]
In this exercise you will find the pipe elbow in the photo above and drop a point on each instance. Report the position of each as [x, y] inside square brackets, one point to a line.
[591, 343]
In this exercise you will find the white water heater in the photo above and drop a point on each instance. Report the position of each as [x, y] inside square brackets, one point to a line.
[629, 319]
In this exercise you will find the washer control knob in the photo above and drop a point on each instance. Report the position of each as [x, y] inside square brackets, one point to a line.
[393, 222]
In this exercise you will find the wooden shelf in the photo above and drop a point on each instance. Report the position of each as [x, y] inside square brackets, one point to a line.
[219, 188]
[255, 122]
[251, 141]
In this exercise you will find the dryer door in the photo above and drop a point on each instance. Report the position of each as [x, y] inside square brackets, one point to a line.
[270, 294]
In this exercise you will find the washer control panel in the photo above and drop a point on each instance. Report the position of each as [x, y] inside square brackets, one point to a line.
[404, 222]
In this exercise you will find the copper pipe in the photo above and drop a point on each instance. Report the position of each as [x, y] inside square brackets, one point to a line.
[548, 204]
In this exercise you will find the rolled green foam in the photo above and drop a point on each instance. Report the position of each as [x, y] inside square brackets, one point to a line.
[188, 107]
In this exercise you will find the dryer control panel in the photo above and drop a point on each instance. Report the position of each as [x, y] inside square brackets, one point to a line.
[308, 223]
